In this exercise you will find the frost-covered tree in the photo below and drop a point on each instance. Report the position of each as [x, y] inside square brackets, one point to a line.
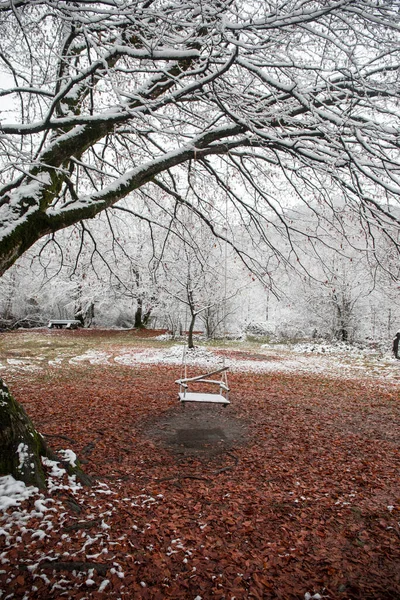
[105, 97]
[192, 271]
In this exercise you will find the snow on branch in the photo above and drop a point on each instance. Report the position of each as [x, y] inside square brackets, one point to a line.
[127, 91]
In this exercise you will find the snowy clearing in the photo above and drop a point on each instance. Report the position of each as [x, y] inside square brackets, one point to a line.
[336, 360]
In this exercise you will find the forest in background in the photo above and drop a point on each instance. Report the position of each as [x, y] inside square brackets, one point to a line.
[225, 168]
[126, 274]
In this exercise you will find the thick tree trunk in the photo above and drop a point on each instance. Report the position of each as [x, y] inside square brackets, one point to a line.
[85, 314]
[21, 446]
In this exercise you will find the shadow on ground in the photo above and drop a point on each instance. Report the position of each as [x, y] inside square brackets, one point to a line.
[197, 430]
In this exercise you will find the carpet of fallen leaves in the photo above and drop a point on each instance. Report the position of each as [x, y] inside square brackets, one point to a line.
[306, 505]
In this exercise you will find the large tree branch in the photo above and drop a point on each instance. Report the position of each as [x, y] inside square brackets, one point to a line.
[328, 119]
[25, 217]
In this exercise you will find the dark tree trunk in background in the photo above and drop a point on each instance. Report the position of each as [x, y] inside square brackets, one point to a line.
[146, 317]
[141, 319]
[138, 315]
[343, 306]
[85, 314]
[190, 332]
[395, 347]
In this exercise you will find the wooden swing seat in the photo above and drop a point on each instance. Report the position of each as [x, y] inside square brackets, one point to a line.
[202, 397]
[220, 398]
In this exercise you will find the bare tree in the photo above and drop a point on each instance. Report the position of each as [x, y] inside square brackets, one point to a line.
[192, 269]
[260, 97]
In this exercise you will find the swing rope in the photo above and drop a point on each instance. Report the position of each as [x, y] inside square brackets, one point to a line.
[223, 396]
[225, 277]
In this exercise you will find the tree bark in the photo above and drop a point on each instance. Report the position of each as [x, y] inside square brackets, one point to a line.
[22, 446]
[191, 329]
[396, 346]
[138, 314]
[146, 317]
[141, 319]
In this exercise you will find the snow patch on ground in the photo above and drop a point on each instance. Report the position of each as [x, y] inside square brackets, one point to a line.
[336, 360]
[69, 457]
[50, 531]
[164, 337]
[170, 356]
[23, 364]
[93, 356]
[13, 493]
[317, 348]
[56, 363]
[332, 360]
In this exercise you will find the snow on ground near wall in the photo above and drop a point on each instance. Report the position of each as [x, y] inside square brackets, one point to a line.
[199, 356]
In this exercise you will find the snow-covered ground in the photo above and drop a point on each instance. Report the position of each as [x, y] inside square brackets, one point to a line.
[24, 511]
[339, 360]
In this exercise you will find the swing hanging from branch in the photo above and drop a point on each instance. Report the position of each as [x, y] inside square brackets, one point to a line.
[221, 397]
[185, 383]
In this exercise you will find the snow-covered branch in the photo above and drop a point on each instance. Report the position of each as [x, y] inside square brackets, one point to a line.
[109, 96]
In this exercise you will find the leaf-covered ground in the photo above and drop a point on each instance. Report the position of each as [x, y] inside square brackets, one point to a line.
[301, 500]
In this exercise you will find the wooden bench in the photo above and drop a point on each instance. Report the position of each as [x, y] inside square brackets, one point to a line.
[67, 323]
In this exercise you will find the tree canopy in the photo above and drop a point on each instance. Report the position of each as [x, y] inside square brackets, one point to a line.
[259, 97]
